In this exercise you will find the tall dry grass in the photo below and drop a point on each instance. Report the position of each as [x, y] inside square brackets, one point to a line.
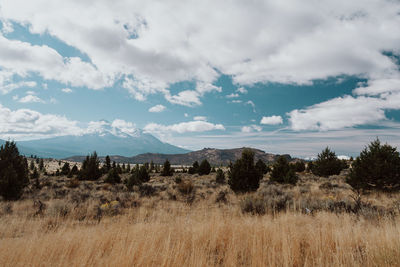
[170, 233]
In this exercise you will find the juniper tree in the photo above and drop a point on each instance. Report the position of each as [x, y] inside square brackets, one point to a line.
[377, 167]
[13, 172]
[327, 164]
[90, 168]
[282, 172]
[243, 175]
[204, 167]
[167, 170]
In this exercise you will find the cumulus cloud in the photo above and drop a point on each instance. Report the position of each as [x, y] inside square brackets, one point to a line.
[30, 99]
[28, 124]
[200, 118]
[6, 88]
[251, 128]
[187, 98]
[342, 112]
[22, 58]
[67, 90]
[156, 45]
[233, 95]
[271, 120]
[242, 90]
[183, 127]
[157, 108]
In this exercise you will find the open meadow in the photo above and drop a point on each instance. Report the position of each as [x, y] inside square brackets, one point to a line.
[190, 220]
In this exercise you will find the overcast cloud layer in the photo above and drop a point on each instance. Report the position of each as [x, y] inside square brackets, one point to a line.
[145, 47]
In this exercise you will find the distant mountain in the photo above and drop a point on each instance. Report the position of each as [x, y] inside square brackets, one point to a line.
[106, 141]
[214, 156]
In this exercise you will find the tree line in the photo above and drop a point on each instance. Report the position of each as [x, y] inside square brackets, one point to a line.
[376, 168]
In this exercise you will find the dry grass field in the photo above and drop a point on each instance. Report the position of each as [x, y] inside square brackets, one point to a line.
[197, 222]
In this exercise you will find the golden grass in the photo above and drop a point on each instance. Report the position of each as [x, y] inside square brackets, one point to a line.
[168, 233]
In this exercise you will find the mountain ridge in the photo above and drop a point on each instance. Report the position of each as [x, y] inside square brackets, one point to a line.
[213, 155]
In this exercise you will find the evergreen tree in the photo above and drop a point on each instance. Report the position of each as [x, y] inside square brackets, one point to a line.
[151, 166]
[90, 168]
[113, 176]
[107, 163]
[327, 164]
[139, 175]
[65, 169]
[13, 172]
[377, 167]
[243, 175]
[261, 167]
[74, 171]
[195, 168]
[128, 168]
[298, 166]
[282, 172]
[204, 167]
[167, 170]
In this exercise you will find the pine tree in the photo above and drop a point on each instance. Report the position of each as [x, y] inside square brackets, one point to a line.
[32, 165]
[13, 172]
[195, 168]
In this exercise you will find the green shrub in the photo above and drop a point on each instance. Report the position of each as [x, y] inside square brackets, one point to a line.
[139, 175]
[243, 175]
[13, 172]
[262, 167]
[377, 167]
[113, 177]
[204, 168]
[194, 169]
[282, 172]
[327, 164]
[298, 166]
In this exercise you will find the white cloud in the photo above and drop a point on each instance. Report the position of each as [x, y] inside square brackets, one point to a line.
[183, 127]
[242, 90]
[157, 108]
[251, 103]
[233, 95]
[342, 112]
[67, 90]
[185, 98]
[27, 124]
[186, 115]
[200, 118]
[236, 101]
[251, 128]
[272, 120]
[30, 98]
[7, 88]
[265, 46]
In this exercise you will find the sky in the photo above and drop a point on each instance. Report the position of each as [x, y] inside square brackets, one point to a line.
[282, 76]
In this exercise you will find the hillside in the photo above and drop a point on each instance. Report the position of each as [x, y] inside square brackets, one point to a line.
[213, 155]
